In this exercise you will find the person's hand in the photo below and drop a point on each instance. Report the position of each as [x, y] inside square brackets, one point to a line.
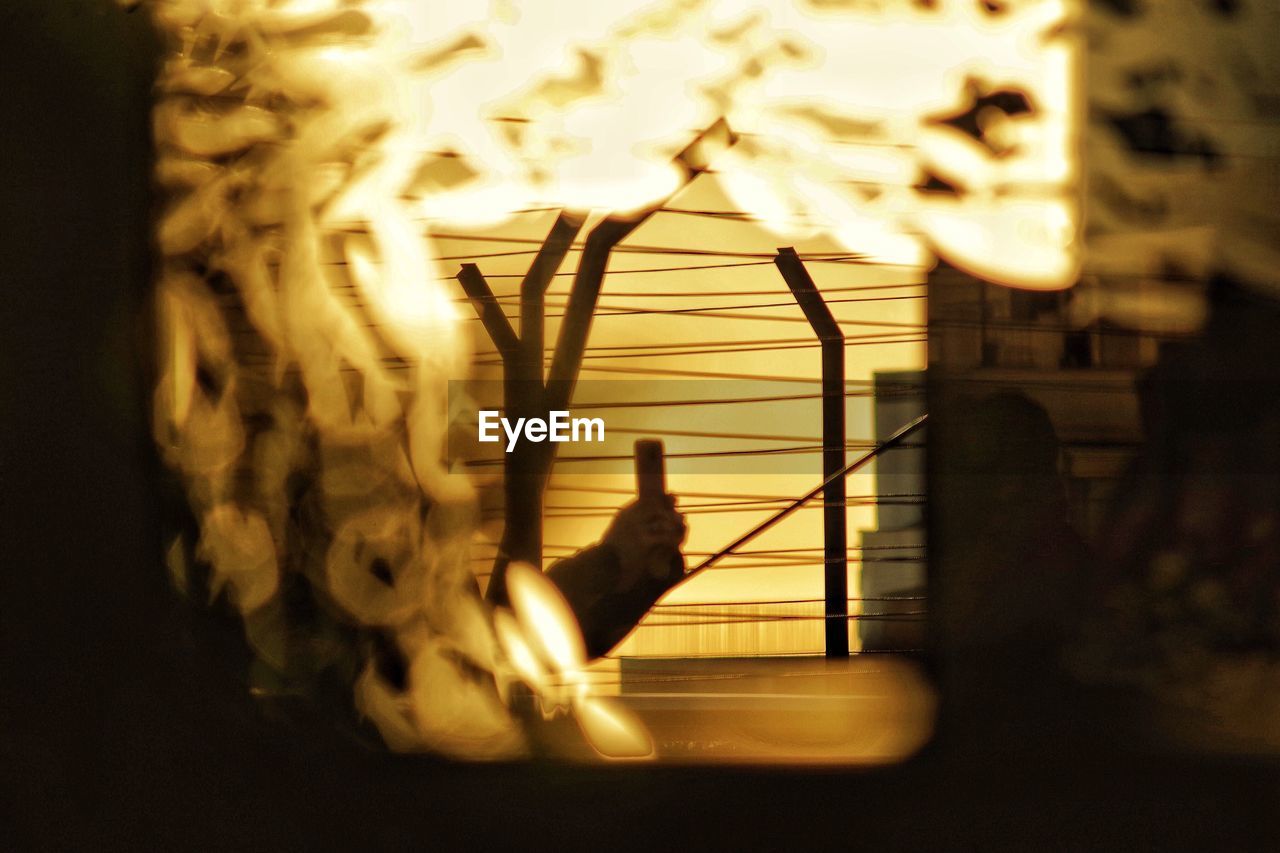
[647, 535]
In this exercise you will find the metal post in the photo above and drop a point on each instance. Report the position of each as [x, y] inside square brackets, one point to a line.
[835, 493]
[525, 394]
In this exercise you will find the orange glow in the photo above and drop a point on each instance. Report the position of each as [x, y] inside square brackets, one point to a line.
[548, 630]
[834, 104]
[550, 627]
[327, 162]
[612, 730]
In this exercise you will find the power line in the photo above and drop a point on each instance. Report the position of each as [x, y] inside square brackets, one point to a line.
[710, 374]
[665, 606]
[709, 454]
[685, 433]
[764, 501]
[748, 617]
[513, 299]
[818, 550]
[718, 401]
[715, 346]
[905, 616]
[751, 342]
[620, 491]
[609, 512]
[848, 289]
[488, 359]
[710, 401]
[630, 310]
[815, 257]
[858, 653]
[798, 552]
[634, 271]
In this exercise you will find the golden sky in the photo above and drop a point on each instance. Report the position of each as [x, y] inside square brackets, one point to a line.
[832, 104]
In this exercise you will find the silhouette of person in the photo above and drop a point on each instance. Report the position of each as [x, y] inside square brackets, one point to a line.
[611, 585]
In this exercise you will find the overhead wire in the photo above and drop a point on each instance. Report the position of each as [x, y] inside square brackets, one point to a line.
[756, 559]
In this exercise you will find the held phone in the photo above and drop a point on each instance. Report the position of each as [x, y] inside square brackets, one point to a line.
[651, 469]
[651, 486]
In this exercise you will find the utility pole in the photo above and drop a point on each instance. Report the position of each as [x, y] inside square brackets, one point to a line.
[835, 492]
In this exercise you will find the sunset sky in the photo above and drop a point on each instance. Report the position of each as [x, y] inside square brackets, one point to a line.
[873, 138]
[835, 130]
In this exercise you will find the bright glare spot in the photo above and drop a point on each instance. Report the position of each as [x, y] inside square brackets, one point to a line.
[547, 619]
[612, 730]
